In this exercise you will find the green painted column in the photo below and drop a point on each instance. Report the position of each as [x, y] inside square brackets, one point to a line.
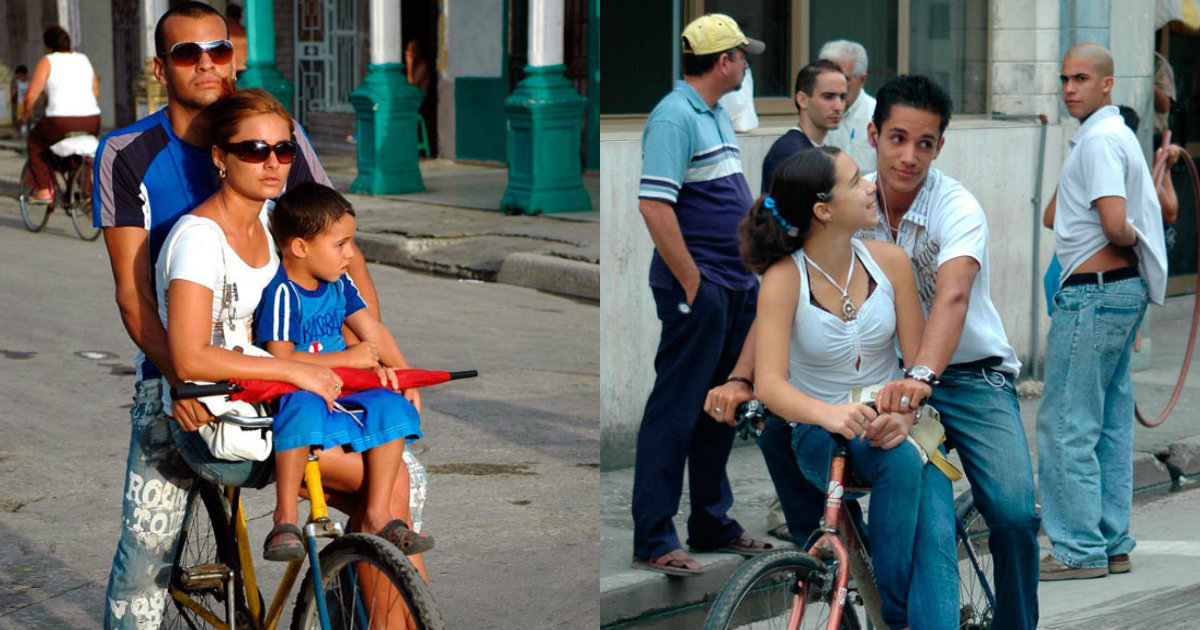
[385, 111]
[545, 123]
[261, 67]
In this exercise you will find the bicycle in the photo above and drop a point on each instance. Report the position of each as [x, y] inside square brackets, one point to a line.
[214, 575]
[70, 161]
[826, 586]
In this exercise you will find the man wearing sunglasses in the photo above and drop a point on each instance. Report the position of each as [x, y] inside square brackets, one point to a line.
[147, 175]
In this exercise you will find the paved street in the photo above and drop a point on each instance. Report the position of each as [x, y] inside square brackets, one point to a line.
[512, 455]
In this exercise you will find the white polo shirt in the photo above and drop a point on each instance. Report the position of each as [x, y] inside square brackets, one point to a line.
[945, 222]
[851, 134]
[1105, 160]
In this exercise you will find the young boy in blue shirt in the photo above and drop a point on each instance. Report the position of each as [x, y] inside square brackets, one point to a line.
[300, 317]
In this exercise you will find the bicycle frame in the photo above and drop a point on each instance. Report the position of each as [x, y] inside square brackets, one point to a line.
[319, 525]
[841, 540]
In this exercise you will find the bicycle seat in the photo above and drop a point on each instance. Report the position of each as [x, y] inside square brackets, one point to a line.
[84, 145]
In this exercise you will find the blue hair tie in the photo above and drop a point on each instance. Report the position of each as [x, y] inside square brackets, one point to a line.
[769, 203]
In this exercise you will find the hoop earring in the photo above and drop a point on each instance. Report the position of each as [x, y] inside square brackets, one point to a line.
[221, 173]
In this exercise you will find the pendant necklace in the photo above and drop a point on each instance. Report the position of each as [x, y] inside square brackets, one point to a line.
[849, 311]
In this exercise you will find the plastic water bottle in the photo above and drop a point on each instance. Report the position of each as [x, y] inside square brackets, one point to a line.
[418, 487]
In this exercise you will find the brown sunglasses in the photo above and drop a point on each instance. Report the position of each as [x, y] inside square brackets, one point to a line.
[189, 53]
[257, 151]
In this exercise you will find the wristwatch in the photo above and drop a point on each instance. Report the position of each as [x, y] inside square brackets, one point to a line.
[922, 374]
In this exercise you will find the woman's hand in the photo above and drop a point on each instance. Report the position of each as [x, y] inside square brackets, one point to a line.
[364, 355]
[387, 377]
[191, 414]
[848, 420]
[889, 430]
[317, 379]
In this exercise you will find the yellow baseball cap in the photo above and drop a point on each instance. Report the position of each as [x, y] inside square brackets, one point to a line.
[714, 33]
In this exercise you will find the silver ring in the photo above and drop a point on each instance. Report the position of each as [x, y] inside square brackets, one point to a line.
[717, 410]
[904, 401]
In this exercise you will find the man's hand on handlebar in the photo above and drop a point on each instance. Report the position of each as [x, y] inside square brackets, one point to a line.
[723, 400]
[190, 413]
[907, 390]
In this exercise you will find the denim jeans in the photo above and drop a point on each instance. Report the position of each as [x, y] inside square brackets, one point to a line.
[911, 518]
[983, 421]
[158, 485]
[1085, 422]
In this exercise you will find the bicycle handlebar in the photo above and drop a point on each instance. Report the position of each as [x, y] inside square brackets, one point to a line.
[195, 390]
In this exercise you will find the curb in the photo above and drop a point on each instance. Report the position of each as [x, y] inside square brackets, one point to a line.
[552, 274]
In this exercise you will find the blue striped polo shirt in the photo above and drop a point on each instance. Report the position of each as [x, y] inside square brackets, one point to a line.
[690, 159]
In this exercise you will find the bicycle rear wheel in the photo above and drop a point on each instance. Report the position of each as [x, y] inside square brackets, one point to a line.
[206, 540]
[33, 214]
[975, 589]
[760, 595]
[80, 203]
[345, 564]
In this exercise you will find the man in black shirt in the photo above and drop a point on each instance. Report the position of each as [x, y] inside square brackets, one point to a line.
[821, 98]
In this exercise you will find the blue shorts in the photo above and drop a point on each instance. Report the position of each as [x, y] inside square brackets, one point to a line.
[304, 420]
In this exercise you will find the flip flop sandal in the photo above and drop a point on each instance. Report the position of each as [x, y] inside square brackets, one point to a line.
[678, 563]
[284, 544]
[405, 539]
[745, 545]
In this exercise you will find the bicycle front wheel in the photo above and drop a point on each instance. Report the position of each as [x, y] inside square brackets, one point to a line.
[976, 593]
[367, 583]
[762, 593]
[34, 214]
[81, 203]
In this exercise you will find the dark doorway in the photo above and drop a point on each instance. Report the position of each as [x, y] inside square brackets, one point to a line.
[419, 21]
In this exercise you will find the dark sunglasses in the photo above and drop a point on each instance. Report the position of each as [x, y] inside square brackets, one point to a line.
[188, 53]
[257, 151]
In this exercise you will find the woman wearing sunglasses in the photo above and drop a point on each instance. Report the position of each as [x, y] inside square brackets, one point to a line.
[211, 272]
[71, 89]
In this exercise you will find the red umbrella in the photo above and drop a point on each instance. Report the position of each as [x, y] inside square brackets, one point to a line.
[353, 380]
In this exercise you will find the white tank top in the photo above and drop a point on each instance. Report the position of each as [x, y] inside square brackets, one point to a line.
[825, 351]
[69, 87]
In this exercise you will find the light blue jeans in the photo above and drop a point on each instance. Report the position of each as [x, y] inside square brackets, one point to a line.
[159, 481]
[911, 522]
[158, 485]
[983, 422]
[1085, 421]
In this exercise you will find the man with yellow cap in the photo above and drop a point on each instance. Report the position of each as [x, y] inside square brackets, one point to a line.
[692, 196]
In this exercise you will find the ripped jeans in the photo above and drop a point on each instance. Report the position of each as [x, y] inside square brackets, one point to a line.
[158, 485]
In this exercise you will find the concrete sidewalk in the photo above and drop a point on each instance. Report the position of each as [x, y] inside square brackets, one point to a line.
[1163, 456]
[453, 228]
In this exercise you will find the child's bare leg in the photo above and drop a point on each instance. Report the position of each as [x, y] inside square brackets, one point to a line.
[289, 474]
[382, 463]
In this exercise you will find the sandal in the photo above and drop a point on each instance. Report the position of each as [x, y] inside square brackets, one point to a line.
[678, 562]
[405, 539]
[744, 544]
[284, 543]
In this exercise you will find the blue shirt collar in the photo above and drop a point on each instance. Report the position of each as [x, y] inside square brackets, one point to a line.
[694, 99]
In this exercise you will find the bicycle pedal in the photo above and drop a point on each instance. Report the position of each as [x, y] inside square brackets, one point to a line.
[204, 576]
[325, 528]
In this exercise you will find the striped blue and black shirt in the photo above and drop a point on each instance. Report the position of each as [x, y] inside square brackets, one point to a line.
[691, 160]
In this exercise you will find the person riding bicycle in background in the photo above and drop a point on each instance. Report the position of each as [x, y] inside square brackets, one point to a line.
[138, 198]
[72, 90]
[300, 317]
[831, 310]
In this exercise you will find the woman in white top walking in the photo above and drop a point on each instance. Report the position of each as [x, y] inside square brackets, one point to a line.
[71, 89]
[831, 312]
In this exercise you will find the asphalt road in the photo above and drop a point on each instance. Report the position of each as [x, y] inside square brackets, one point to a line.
[512, 455]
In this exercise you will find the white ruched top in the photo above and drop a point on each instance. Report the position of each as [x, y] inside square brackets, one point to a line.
[825, 351]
